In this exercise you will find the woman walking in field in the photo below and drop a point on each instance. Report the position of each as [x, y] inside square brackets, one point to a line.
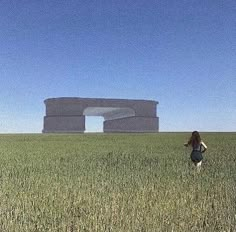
[198, 147]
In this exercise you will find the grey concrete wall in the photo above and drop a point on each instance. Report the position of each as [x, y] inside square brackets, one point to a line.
[121, 115]
[76, 106]
[59, 124]
[63, 108]
[132, 124]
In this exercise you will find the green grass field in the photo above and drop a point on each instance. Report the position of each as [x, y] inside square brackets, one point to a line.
[116, 182]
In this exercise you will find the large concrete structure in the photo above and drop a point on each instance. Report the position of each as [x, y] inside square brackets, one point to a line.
[120, 115]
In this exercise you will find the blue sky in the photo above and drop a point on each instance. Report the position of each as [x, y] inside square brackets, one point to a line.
[180, 53]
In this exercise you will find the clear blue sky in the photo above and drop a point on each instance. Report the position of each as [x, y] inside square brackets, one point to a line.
[180, 53]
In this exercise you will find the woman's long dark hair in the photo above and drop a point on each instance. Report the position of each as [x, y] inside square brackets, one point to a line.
[195, 139]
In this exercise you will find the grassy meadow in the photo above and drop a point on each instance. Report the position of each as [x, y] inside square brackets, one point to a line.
[116, 182]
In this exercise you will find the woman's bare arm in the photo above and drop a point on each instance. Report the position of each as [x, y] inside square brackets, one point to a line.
[204, 146]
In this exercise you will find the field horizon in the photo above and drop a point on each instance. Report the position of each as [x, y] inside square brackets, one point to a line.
[116, 182]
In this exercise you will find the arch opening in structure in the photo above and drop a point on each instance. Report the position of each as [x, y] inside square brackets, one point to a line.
[95, 116]
[94, 124]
